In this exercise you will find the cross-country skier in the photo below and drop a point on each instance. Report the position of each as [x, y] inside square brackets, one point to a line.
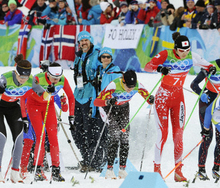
[210, 93]
[13, 85]
[174, 64]
[118, 93]
[44, 85]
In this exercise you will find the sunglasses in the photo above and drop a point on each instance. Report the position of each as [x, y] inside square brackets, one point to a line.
[183, 50]
[106, 56]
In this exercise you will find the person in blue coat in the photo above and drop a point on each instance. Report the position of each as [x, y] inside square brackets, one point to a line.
[83, 77]
[93, 16]
[212, 114]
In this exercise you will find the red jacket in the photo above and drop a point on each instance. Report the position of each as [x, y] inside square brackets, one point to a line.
[104, 20]
[146, 15]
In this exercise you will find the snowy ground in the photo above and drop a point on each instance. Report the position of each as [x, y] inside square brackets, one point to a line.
[137, 141]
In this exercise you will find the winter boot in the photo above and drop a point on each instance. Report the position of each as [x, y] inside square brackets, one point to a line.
[202, 174]
[56, 174]
[39, 175]
[157, 169]
[1, 178]
[122, 173]
[178, 176]
[215, 172]
[110, 173]
[23, 172]
[15, 176]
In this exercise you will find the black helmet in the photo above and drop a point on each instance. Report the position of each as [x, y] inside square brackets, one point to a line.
[130, 78]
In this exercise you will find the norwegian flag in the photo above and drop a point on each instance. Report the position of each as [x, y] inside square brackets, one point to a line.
[27, 3]
[25, 19]
[46, 43]
[64, 42]
[22, 39]
[80, 28]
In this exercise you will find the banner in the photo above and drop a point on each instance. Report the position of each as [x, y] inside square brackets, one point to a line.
[125, 37]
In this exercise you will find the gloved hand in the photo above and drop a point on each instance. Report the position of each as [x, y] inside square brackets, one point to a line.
[2, 89]
[111, 101]
[205, 98]
[50, 89]
[164, 70]
[205, 134]
[71, 122]
[151, 99]
[56, 20]
[26, 124]
[212, 70]
[64, 105]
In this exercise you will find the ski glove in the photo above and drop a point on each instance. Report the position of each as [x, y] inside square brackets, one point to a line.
[164, 70]
[64, 105]
[212, 70]
[205, 98]
[151, 99]
[2, 89]
[205, 134]
[111, 101]
[50, 89]
[71, 122]
[26, 124]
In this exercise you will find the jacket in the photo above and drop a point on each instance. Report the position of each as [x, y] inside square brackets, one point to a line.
[93, 16]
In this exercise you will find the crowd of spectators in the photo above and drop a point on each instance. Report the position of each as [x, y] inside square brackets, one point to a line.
[201, 14]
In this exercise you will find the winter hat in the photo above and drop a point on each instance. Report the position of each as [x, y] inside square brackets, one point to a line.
[130, 78]
[122, 3]
[200, 3]
[133, 3]
[170, 6]
[105, 50]
[85, 35]
[4, 2]
[182, 42]
[189, 0]
[104, 5]
[210, 5]
[154, 1]
[55, 70]
[51, 1]
[12, 2]
[165, 1]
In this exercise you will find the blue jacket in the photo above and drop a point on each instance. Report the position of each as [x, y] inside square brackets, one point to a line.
[51, 14]
[85, 94]
[131, 17]
[93, 16]
[13, 17]
[105, 80]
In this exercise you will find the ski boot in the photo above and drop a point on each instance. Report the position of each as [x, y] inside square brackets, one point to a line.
[122, 173]
[110, 173]
[202, 174]
[157, 169]
[39, 175]
[215, 172]
[178, 176]
[15, 176]
[56, 174]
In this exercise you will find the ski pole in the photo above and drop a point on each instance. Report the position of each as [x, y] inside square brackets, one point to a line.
[41, 138]
[103, 128]
[9, 165]
[183, 159]
[197, 101]
[123, 130]
[142, 158]
[190, 91]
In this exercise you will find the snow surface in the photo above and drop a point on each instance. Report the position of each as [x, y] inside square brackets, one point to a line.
[139, 127]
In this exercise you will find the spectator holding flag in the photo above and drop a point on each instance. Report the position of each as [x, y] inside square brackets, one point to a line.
[14, 16]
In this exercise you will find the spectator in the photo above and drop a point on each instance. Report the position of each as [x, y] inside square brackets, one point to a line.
[93, 16]
[14, 16]
[132, 14]
[177, 22]
[78, 5]
[52, 12]
[62, 14]
[168, 18]
[207, 22]
[69, 19]
[189, 13]
[200, 9]
[108, 13]
[36, 12]
[4, 10]
[216, 16]
[162, 14]
[123, 12]
[148, 12]
[84, 9]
